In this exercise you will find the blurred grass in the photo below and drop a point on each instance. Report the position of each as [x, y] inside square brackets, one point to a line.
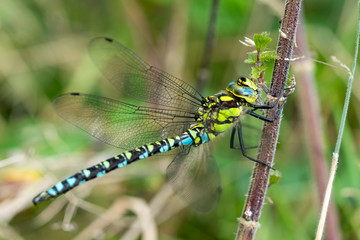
[43, 53]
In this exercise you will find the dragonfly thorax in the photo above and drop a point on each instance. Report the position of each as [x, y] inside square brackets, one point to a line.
[244, 88]
[218, 112]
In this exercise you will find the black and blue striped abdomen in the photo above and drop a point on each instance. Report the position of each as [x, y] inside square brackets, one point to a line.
[193, 137]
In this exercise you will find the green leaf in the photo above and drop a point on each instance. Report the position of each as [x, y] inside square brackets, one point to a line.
[261, 41]
[256, 71]
[268, 55]
[251, 58]
[275, 177]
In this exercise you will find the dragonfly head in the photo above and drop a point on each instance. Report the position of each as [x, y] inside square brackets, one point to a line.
[244, 88]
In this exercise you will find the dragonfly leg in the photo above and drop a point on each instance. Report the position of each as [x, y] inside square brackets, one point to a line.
[261, 117]
[242, 147]
[274, 103]
[232, 140]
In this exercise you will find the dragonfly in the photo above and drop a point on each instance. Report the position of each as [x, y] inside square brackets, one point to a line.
[163, 110]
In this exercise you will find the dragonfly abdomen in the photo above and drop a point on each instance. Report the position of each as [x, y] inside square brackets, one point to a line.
[85, 175]
[194, 136]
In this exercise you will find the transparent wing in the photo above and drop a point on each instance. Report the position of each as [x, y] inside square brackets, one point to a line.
[136, 79]
[121, 124]
[195, 178]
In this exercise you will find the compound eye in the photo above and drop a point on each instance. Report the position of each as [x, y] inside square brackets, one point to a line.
[244, 82]
[248, 94]
[244, 92]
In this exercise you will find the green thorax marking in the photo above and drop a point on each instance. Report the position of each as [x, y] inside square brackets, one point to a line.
[218, 112]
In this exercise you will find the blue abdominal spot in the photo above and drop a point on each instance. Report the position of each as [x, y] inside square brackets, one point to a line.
[52, 192]
[100, 173]
[123, 164]
[187, 141]
[144, 155]
[164, 148]
[59, 186]
[204, 137]
[71, 181]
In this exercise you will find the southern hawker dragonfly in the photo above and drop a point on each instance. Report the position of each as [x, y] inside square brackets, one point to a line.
[165, 114]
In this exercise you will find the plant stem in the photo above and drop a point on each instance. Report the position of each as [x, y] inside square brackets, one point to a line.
[248, 223]
[310, 115]
[204, 72]
[348, 90]
[334, 163]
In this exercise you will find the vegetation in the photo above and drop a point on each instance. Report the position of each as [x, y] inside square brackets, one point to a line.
[43, 53]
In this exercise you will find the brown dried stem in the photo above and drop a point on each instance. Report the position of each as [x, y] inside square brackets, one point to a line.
[309, 109]
[204, 72]
[248, 223]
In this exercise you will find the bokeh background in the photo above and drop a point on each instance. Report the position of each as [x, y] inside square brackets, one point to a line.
[43, 53]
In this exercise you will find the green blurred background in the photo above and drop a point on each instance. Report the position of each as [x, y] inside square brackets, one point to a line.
[43, 53]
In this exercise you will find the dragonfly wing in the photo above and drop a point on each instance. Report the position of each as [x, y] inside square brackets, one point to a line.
[121, 124]
[195, 178]
[136, 79]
